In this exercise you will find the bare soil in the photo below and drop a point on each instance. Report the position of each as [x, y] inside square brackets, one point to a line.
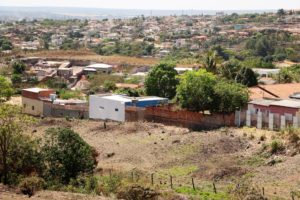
[227, 156]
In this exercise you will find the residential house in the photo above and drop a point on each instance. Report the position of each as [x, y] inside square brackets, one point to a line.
[32, 100]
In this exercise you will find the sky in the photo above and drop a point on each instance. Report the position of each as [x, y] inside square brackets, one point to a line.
[162, 4]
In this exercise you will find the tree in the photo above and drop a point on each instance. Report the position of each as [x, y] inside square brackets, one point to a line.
[18, 153]
[281, 12]
[109, 85]
[162, 81]
[18, 67]
[229, 96]
[210, 61]
[16, 78]
[285, 75]
[234, 71]
[67, 155]
[6, 90]
[5, 44]
[195, 90]
[247, 77]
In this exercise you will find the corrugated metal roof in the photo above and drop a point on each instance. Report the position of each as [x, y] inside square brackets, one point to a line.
[287, 103]
[262, 102]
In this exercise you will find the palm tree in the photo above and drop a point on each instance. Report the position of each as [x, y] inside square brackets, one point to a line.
[210, 61]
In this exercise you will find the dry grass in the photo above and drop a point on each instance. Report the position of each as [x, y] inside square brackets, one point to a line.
[89, 55]
[225, 156]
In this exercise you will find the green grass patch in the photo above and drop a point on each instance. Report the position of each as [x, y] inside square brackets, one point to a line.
[203, 195]
[178, 171]
[70, 94]
[254, 161]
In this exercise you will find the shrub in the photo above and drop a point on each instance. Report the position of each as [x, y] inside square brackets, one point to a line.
[67, 155]
[138, 193]
[276, 146]
[262, 138]
[109, 86]
[30, 185]
[292, 135]
[110, 184]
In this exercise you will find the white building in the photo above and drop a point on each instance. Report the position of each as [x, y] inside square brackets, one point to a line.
[112, 107]
[262, 72]
[100, 68]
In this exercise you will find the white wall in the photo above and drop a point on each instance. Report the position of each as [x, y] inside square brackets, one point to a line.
[101, 108]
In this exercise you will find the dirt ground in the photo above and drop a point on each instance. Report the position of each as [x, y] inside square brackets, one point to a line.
[13, 194]
[226, 155]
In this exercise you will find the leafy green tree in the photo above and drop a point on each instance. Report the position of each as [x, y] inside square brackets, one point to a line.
[281, 12]
[233, 70]
[196, 90]
[162, 81]
[16, 78]
[109, 85]
[210, 61]
[222, 52]
[6, 90]
[18, 67]
[67, 155]
[247, 77]
[229, 96]
[285, 75]
[5, 44]
[18, 153]
[70, 44]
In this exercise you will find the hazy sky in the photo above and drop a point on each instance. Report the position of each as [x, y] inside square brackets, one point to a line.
[162, 4]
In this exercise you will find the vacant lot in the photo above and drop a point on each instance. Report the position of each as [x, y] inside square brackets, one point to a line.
[227, 156]
[89, 55]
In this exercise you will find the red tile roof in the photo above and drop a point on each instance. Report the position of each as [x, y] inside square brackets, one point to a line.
[282, 91]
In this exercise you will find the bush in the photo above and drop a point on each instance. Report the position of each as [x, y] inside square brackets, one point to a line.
[67, 155]
[109, 86]
[292, 135]
[276, 146]
[84, 184]
[69, 94]
[110, 185]
[138, 193]
[30, 185]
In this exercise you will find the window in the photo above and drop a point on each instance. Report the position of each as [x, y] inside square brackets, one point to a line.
[32, 107]
[116, 109]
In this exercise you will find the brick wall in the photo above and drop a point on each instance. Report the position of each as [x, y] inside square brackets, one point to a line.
[167, 115]
[73, 111]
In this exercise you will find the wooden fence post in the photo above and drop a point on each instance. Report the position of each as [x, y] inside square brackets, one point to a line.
[193, 183]
[132, 176]
[292, 195]
[263, 191]
[215, 189]
[171, 182]
[152, 179]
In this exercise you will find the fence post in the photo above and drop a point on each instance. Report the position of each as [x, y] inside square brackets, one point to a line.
[193, 183]
[132, 176]
[263, 191]
[110, 173]
[171, 182]
[152, 179]
[215, 189]
[292, 195]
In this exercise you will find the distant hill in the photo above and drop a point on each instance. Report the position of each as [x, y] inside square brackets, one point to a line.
[19, 13]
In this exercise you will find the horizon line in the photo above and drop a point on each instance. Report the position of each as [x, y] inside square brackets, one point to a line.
[155, 9]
